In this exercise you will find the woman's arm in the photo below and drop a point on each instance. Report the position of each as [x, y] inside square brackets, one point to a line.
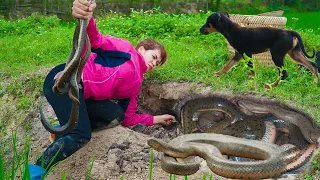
[82, 9]
[132, 118]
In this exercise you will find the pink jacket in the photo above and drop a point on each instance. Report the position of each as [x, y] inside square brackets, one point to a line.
[114, 71]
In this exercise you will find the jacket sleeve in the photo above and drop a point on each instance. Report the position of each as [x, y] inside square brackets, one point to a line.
[105, 42]
[96, 38]
[131, 117]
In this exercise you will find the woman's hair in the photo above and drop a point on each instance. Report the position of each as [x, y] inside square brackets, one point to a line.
[151, 44]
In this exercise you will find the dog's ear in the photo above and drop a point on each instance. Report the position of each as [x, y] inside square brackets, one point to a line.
[214, 18]
[219, 16]
[225, 14]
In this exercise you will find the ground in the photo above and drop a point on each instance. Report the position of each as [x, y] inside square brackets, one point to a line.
[121, 152]
[118, 152]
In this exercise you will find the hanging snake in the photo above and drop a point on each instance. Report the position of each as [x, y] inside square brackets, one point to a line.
[68, 80]
[275, 160]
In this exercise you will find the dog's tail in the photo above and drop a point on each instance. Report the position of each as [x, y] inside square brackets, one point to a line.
[294, 33]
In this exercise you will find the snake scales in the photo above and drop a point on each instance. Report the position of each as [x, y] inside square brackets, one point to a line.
[68, 80]
[274, 160]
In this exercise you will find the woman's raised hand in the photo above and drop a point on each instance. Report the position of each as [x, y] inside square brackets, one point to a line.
[82, 9]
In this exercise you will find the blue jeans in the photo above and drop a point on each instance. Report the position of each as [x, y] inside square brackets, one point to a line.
[101, 113]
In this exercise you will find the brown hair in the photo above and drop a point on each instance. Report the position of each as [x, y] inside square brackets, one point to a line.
[151, 44]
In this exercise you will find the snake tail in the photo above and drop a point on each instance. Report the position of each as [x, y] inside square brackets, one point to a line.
[74, 116]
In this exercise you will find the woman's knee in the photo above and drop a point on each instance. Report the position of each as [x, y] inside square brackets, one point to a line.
[119, 114]
[104, 110]
[49, 80]
[81, 138]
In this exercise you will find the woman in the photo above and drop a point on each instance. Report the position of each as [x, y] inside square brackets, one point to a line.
[114, 70]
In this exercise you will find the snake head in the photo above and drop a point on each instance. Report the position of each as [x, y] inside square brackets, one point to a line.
[154, 143]
[253, 107]
[314, 137]
[159, 145]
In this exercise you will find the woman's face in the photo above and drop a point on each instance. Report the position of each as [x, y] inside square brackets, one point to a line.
[151, 57]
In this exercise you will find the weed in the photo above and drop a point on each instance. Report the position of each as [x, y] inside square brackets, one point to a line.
[251, 68]
[172, 178]
[151, 163]
[23, 103]
[308, 177]
[1, 90]
[90, 170]
[28, 127]
[1, 168]
[19, 161]
[315, 162]
[3, 128]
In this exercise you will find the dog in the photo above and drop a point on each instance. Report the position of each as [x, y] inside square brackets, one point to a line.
[257, 40]
[317, 61]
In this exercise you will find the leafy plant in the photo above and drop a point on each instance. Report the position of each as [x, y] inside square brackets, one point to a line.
[251, 68]
[34, 24]
[23, 103]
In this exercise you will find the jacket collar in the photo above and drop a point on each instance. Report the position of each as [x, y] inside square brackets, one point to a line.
[142, 63]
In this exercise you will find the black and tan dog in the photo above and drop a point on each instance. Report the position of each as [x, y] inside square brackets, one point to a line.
[260, 39]
[318, 60]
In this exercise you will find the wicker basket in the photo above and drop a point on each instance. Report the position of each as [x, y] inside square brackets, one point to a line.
[272, 13]
[262, 20]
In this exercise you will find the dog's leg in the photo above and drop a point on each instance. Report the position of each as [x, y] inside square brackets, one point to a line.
[237, 57]
[297, 56]
[250, 65]
[278, 59]
[317, 61]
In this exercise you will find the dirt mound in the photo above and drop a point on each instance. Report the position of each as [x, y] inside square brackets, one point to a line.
[116, 152]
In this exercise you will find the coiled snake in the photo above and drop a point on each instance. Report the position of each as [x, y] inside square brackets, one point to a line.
[273, 159]
[68, 80]
[269, 166]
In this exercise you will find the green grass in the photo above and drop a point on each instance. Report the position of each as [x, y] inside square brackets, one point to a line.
[18, 166]
[306, 20]
[151, 163]
[90, 169]
[36, 43]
